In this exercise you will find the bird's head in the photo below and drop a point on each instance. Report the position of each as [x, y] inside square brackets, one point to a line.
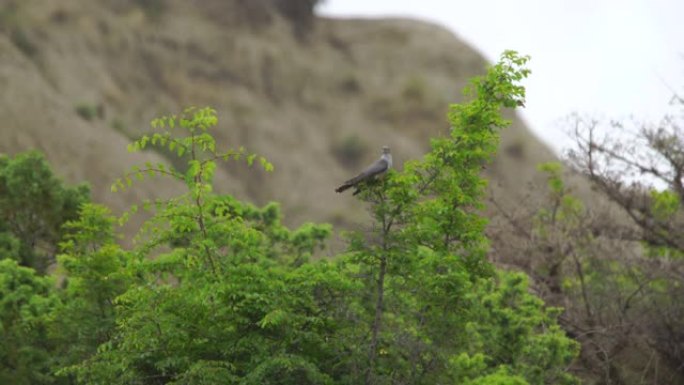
[385, 149]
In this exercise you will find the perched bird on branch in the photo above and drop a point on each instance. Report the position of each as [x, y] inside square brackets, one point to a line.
[378, 168]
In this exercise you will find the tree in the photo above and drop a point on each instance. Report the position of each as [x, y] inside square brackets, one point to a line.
[25, 299]
[94, 270]
[599, 281]
[228, 295]
[426, 258]
[641, 171]
[613, 264]
[34, 204]
[218, 291]
[626, 169]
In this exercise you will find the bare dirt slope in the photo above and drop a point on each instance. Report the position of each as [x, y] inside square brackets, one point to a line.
[318, 106]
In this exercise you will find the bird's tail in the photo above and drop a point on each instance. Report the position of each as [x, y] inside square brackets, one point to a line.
[345, 186]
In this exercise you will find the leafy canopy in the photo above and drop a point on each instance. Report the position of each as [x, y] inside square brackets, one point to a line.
[218, 291]
[34, 204]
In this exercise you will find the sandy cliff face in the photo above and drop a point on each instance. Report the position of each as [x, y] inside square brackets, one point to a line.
[318, 106]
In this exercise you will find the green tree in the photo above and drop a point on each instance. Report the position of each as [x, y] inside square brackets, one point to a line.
[426, 257]
[25, 349]
[228, 295]
[34, 204]
[219, 291]
[94, 273]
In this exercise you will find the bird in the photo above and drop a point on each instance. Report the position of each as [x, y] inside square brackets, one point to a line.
[379, 167]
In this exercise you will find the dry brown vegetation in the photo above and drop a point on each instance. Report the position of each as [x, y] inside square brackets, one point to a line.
[613, 265]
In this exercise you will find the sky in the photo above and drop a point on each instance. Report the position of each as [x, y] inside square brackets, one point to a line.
[610, 59]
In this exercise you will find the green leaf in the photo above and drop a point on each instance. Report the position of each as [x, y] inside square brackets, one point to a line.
[273, 318]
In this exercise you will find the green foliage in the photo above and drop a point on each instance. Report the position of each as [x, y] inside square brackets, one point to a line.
[527, 339]
[25, 299]
[433, 291]
[10, 246]
[665, 204]
[565, 209]
[498, 378]
[95, 274]
[34, 204]
[197, 142]
[233, 273]
[218, 291]
[664, 213]
[87, 111]
[553, 171]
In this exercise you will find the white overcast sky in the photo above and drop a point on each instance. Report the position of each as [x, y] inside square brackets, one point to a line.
[608, 58]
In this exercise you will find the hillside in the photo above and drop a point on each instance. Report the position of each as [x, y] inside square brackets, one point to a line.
[319, 98]
[80, 78]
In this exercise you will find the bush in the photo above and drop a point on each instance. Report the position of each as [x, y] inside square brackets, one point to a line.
[88, 111]
[350, 150]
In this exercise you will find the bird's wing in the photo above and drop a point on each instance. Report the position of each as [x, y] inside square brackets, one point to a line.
[378, 167]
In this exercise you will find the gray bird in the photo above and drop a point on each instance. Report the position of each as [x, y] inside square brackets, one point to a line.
[379, 167]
